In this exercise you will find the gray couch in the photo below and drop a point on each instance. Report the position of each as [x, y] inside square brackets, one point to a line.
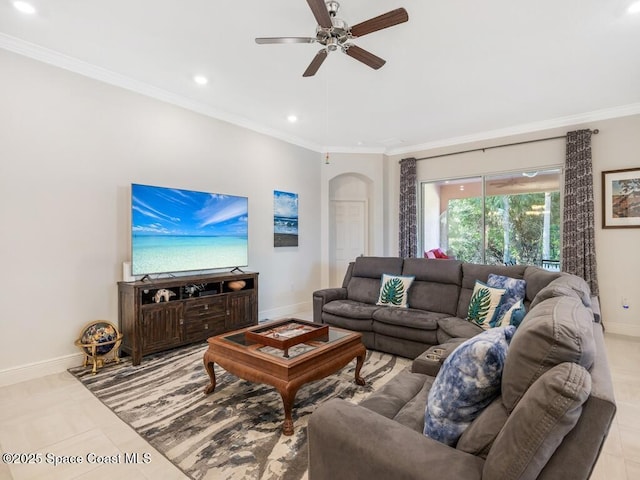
[549, 422]
[438, 301]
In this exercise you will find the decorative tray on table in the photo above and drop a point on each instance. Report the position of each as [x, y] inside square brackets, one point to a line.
[287, 333]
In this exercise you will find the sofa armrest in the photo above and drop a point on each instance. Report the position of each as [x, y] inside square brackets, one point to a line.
[427, 365]
[322, 297]
[347, 441]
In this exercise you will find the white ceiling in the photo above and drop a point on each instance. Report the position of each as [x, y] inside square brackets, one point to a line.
[458, 70]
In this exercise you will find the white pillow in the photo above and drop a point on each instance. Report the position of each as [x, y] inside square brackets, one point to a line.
[394, 290]
[484, 303]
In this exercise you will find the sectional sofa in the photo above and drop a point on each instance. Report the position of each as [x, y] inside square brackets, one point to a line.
[438, 301]
[553, 400]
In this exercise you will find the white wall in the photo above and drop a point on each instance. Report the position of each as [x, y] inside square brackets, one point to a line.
[370, 167]
[615, 147]
[69, 149]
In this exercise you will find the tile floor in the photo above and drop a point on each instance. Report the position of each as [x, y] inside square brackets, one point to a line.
[56, 416]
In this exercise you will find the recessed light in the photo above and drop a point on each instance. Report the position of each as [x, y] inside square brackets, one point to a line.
[634, 8]
[292, 118]
[200, 79]
[25, 7]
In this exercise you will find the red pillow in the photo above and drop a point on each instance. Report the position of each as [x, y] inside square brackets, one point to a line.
[436, 253]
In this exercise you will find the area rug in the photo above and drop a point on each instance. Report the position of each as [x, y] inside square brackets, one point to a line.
[233, 433]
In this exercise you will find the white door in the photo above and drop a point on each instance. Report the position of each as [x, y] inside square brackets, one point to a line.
[349, 238]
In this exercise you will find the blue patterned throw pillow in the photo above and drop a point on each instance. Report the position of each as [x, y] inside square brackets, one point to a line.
[515, 290]
[467, 382]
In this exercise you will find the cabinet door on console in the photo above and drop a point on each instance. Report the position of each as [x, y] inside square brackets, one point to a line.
[161, 326]
[241, 311]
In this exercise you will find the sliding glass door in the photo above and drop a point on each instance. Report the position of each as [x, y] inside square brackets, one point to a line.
[511, 218]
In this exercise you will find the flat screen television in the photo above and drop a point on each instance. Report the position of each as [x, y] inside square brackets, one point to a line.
[176, 230]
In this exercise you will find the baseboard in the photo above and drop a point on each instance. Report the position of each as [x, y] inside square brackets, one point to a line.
[34, 370]
[618, 328]
[280, 312]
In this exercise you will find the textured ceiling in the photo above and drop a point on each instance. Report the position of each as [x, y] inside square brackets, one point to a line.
[457, 70]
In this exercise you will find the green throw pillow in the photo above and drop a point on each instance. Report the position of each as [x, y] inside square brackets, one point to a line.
[394, 290]
[484, 303]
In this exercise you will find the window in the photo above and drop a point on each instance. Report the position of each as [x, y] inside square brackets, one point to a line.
[511, 218]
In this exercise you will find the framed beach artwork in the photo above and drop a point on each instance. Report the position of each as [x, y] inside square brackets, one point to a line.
[621, 198]
[285, 219]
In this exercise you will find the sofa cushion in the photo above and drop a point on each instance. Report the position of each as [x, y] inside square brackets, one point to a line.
[484, 304]
[390, 399]
[434, 297]
[362, 325]
[437, 284]
[537, 278]
[516, 290]
[406, 335]
[449, 271]
[408, 317]
[476, 271]
[394, 290]
[454, 327]
[548, 411]
[350, 309]
[555, 331]
[467, 382]
[472, 272]
[364, 284]
[412, 413]
[479, 437]
[569, 285]
[374, 267]
[364, 290]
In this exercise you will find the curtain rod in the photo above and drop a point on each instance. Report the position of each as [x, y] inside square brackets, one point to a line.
[595, 132]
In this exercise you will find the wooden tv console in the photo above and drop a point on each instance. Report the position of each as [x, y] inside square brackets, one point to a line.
[199, 307]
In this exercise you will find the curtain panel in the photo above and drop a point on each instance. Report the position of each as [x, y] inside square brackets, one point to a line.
[578, 235]
[408, 230]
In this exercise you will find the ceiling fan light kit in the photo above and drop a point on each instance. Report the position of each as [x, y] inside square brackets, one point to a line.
[334, 33]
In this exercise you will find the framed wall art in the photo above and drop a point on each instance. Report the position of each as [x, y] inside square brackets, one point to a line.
[621, 198]
[285, 219]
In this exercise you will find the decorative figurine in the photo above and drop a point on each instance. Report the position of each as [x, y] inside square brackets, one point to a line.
[163, 294]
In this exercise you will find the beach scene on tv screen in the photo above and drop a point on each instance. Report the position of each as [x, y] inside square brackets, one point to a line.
[176, 230]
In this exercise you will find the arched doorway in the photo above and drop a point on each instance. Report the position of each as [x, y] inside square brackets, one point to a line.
[349, 199]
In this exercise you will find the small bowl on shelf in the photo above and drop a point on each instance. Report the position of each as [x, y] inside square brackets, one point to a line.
[237, 285]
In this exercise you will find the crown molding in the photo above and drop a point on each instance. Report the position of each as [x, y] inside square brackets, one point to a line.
[75, 65]
[567, 121]
[361, 150]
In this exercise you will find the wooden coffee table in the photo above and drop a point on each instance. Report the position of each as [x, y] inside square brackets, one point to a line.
[315, 359]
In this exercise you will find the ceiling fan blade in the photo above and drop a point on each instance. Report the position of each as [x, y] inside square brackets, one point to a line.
[363, 56]
[389, 19]
[319, 9]
[267, 40]
[315, 63]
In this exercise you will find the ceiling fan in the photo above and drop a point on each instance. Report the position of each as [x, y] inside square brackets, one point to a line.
[333, 33]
